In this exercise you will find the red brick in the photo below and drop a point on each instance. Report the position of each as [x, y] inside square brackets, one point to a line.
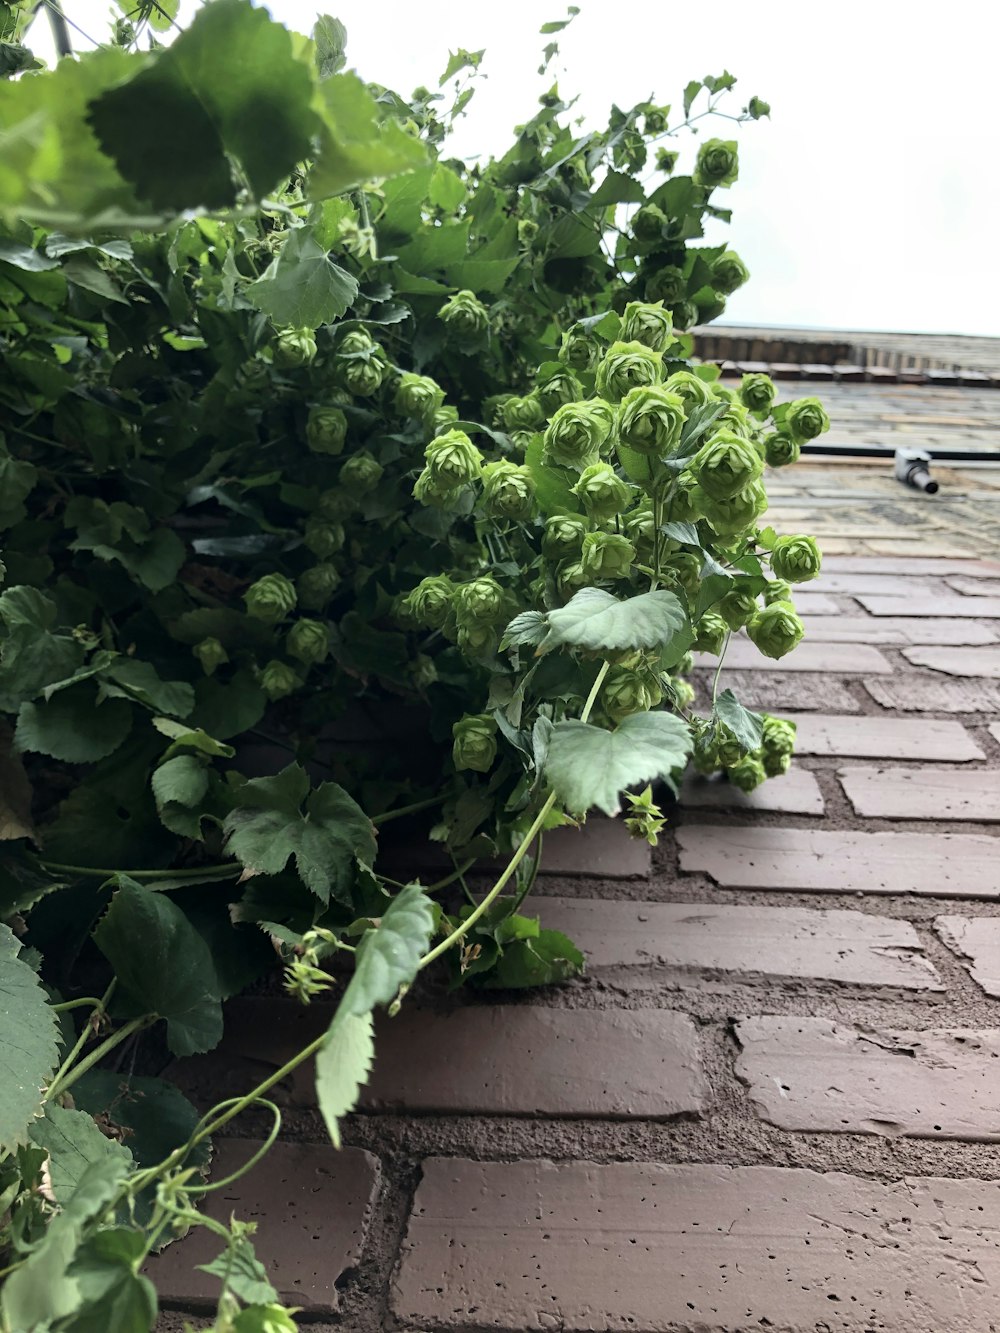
[312, 1205]
[923, 793]
[636, 1247]
[971, 587]
[907, 565]
[813, 1075]
[845, 659]
[977, 939]
[882, 738]
[900, 630]
[936, 605]
[946, 865]
[796, 793]
[851, 948]
[982, 663]
[926, 694]
[776, 691]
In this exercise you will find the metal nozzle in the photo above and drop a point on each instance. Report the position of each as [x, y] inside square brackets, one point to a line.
[912, 468]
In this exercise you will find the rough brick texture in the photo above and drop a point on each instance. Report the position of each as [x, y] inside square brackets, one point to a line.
[913, 693]
[795, 793]
[882, 738]
[983, 663]
[846, 659]
[923, 793]
[936, 606]
[977, 939]
[899, 630]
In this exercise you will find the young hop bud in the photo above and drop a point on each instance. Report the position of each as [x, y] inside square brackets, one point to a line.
[453, 460]
[649, 223]
[360, 474]
[294, 348]
[686, 315]
[647, 322]
[563, 536]
[797, 559]
[429, 603]
[560, 388]
[728, 273]
[474, 742]
[776, 629]
[725, 464]
[627, 691]
[780, 449]
[684, 500]
[747, 773]
[602, 492]
[357, 342]
[805, 419]
[640, 526]
[465, 315]
[684, 569]
[607, 556]
[322, 538]
[666, 159]
[362, 376]
[508, 491]
[211, 654]
[737, 418]
[717, 163]
[578, 349]
[418, 395]
[430, 490]
[777, 590]
[574, 436]
[527, 230]
[778, 745]
[481, 602]
[444, 418]
[270, 599]
[667, 285]
[124, 32]
[316, 586]
[757, 393]
[737, 512]
[737, 607]
[326, 430]
[757, 107]
[692, 390]
[627, 365]
[277, 679]
[522, 413]
[645, 819]
[309, 641]
[650, 420]
[571, 577]
[711, 633]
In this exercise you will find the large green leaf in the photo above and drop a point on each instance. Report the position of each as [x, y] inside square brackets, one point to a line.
[353, 146]
[303, 287]
[747, 727]
[28, 1041]
[330, 37]
[388, 956]
[325, 830]
[342, 1068]
[171, 975]
[179, 786]
[32, 655]
[114, 1297]
[597, 621]
[73, 1142]
[152, 1114]
[588, 766]
[72, 726]
[243, 1273]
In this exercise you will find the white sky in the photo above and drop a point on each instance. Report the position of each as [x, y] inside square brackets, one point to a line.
[871, 198]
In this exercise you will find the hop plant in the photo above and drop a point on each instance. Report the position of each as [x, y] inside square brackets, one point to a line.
[563, 536]
[684, 500]
[211, 654]
[650, 420]
[431, 490]
[294, 348]
[578, 349]
[429, 604]
[776, 629]
[308, 641]
[647, 322]
[667, 285]
[729, 272]
[606, 555]
[684, 569]
[576, 433]
[737, 418]
[649, 223]
[747, 773]
[571, 577]
[278, 680]
[692, 390]
[326, 430]
[453, 460]
[270, 599]
[418, 396]
[465, 315]
[686, 314]
[626, 692]
[363, 376]
[717, 163]
[736, 513]
[324, 538]
[601, 491]
[561, 388]
[666, 159]
[777, 590]
[711, 633]
[444, 418]
[757, 393]
[805, 419]
[360, 474]
[796, 559]
[481, 602]
[725, 465]
[316, 586]
[645, 819]
[474, 742]
[335, 504]
[640, 526]
[778, 745]
[627, 366]
[508, 491]
[780, 449]
[522, 413]
[736, 607]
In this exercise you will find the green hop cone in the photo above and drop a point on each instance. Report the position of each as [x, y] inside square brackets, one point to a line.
[757, 393]
[737, 512]
[686, 314]
[277, 680]
[360, 474]
[476, 640]
[649, 223]
[682, 692]
[797, 559]
[666, 159]
[563, 536]
[270, 599]
[294, 348]
[683, 568]
[737, 418]
[418, 395]
[775, 630]
[323, 538]
[737, 607]
[326, 430]
[780, 449]
[355, 342]
[561, 388]
[308, 641]
[705, 754]
[757, 107]
[729, 272]
[647, 322]
[430, 490]
[571, 577]
[508, 491]
[316, 586]
[684, 500]
[723, 392]
[805, 419]
[627, 365]
[211, 654]
[777, 590]
[601, 491]
[607, 556]
[576, 433]
[429, 604]
[522, 413]
[655, 120]
[474, 742]
[640, 526]
[465, 315]
[711, 633]
[626, 692]
[717, 163]
[778, 745]
[650, 419]
[363, 376]
[444, 418]
[692, 390]
[578, 349]
[667, 285]
[725, 465]
[747, 773]
[480, 602]
[453, 460]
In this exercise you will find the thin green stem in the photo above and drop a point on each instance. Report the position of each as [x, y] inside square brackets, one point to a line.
[657, 541]
[402, 810]
[718, 669]
[529, 882]
[103, 872]
[61, 1083]
[99, 1007]
[81, 1003]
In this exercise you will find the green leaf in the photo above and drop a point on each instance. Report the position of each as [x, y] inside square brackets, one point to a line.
[343, 1064]
[527, 629]
[690, 93]
[552, 484]
[682, 532]
[557, 25]
[184, 737]
[73, 1142]
[139, 681]
[114, 1298]
[154, 1116]
[179, 785]
[387, 957]
[597, 621]
[171, 975]
[25, 257]
[447, 189]
[353, 146]
[242, 1272]
[459, 60]
[17, 481]
[588, 766]
[330, 37]
[72, 726]
[543, 960]
[329, 838]
[28, 1041]
[302, 287]
[230, 85]
[747, 727]
[92, 278]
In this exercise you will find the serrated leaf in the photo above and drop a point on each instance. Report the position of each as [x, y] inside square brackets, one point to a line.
[527, 629]
[141, 682]
[459, 60]
[682, 532]
[179, 786]
[588, 766]
[387, 957]
[302, 286]
[25, 257]
[114, 1298]
[153, 1114]
[72, 726]
[597, 621]
[330, 37]
[73, 1142]
[343, 1064]
[354, 146]
[546, 959]
[243, 1273]
[747, 727]
[28, 1041]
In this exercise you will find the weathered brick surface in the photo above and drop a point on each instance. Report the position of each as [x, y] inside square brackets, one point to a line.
[845, 659]
[646, 1248]
[795, 793]
[882, 738]
[977, 940]
[994, 730]
[812, 1074]
[923, 793]
[931, 607]
[882, 585]
[974, 587]
[907, 565]
[901, 630]
[816, 604]
[983, 663]
[914, 693]
[950, 865]
[751, 942]
[775, 691]
[312, 1207]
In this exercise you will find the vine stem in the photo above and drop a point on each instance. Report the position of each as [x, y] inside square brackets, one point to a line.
[718, 669]
[103, 872]
[402, 810]
[99, 1006]
[62, 1081]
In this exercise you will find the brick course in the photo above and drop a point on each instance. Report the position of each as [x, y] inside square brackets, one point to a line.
[882, 738]
[923, 793]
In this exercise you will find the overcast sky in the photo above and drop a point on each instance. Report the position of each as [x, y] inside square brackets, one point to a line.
[871, 198]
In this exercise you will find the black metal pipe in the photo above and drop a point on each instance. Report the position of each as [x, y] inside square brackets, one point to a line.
[885, 451]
